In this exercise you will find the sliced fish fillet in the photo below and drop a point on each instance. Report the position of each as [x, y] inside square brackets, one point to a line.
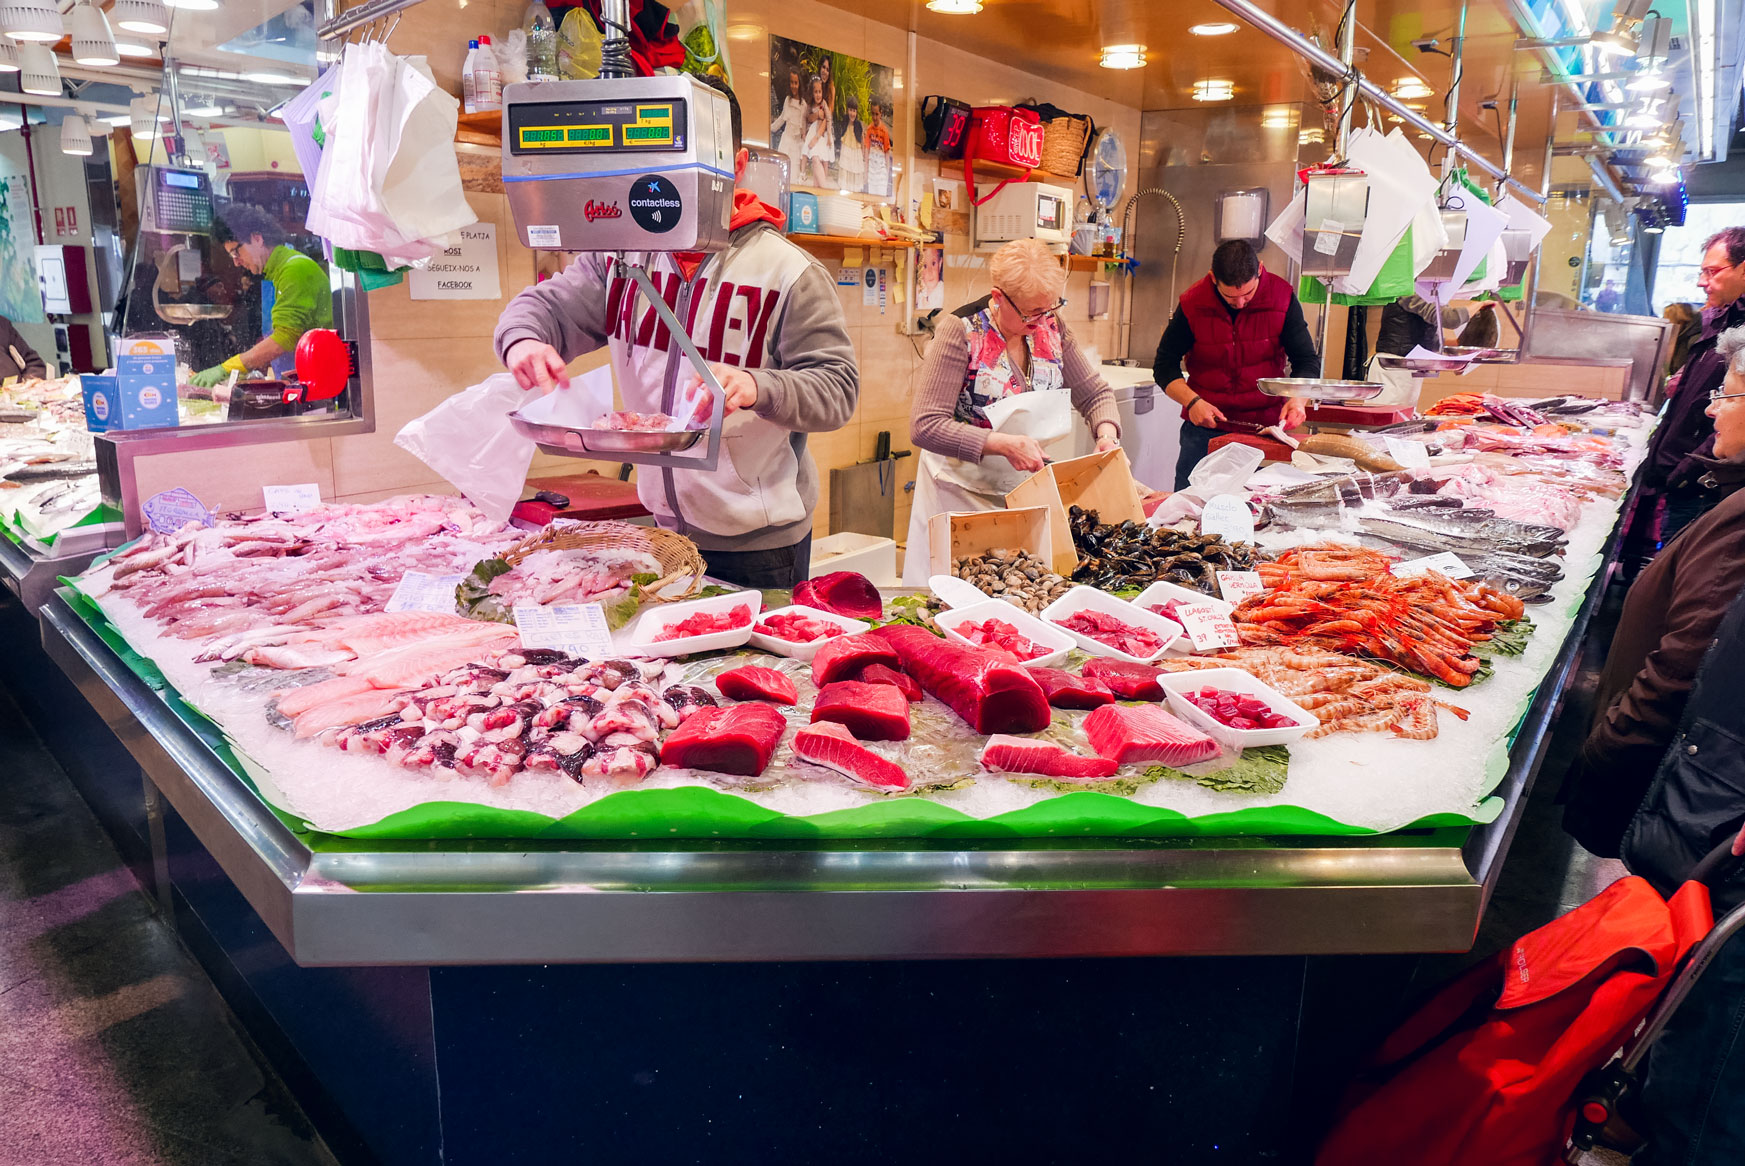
[294, 701]
[413, 664]
[1008, 754]
[831, 745]
[1130, 733]
[346, 710]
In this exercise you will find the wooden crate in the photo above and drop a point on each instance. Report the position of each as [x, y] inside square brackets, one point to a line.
[958, 534]
[1100, 481]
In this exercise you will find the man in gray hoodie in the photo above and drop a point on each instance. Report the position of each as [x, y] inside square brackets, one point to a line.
[765, 315]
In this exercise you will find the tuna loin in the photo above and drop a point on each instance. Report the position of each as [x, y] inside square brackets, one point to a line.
[885, 674]
[987, 689]
[872, 712]
[1126, 680]
[1066, 691]
[842, 657]
[833, 746]
[846, 593]
[754, 683]
[1007, 754]
[738, 739]
[1129, 733]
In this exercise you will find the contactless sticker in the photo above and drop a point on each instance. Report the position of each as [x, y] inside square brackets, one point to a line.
[655, 204]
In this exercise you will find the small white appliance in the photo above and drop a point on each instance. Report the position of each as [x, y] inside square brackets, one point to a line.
[1026, 210]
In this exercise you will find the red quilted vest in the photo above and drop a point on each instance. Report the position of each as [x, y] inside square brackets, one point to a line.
[1230, 354]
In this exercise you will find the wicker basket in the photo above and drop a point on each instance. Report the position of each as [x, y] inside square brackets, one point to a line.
[1063, 144]
[677, 555]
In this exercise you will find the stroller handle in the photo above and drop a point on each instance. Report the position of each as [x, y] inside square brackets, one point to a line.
[1719, 859]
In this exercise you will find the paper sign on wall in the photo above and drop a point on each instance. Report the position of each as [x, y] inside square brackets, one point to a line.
[466, 271]
[291, 499]
[420, 592]
[1228, 516]
[577, 628]
[1235, 586]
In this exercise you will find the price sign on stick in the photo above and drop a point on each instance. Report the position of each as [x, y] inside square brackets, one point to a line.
[1208, 626]
[577, 628]
[291, 499]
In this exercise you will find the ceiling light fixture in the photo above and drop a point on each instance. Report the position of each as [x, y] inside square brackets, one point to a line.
[1410, 88]
[31, 21]
[147, 16]
[1279, 118]
[1648, 83]
[1122, 57]
[37, 71]
[8, 57]
[193, 5]
[1705, 70]
[1213, 28]
[955, 7]
[1214, 90]
[264, 78]
[132, 44]
[203, 107]
[1624, 37]
[93, 43]
[1311, 136]
[75, 135]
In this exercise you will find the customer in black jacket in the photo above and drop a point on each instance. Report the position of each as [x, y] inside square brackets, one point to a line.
[1693, 1097]
[17, 358]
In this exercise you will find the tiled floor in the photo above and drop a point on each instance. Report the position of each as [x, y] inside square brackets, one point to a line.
[115, 1049]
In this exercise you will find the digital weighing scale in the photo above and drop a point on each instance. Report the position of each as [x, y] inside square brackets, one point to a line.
[629, 166]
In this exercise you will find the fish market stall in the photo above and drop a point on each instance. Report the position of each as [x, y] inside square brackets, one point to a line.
[334, 734]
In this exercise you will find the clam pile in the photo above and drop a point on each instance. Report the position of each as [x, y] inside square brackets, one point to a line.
[1018, 577]
[1129, 556]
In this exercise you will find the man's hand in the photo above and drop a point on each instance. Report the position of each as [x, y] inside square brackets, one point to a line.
[1108, 437]
[536, 365]
[1025, 453]
[738, 389]
[207, 378]
[1295, 412]
[1204, 414]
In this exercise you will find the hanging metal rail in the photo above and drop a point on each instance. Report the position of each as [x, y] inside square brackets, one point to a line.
[1302, 46]
[343, 24]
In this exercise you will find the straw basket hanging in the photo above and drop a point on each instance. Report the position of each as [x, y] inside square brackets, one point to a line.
[1063, 143]
[677, 555]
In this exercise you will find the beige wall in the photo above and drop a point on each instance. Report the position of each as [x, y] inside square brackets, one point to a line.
[422, 352]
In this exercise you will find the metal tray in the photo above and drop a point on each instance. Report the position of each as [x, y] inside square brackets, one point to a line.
[1447, 362]
[565, 441]
[1487, 355]
[1314, 389]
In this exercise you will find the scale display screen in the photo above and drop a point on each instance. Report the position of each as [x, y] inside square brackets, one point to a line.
[598, 127]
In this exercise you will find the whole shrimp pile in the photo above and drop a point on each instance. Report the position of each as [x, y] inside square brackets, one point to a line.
[1347, 600]
[1347, 694]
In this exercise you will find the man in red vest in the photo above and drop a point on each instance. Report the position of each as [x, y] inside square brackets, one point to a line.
[1239, 324]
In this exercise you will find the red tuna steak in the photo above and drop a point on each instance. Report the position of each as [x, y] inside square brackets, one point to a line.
[843, 657]
[754, 683]
[833, 746]
[842, 592]
[1006, 754]
[1066, 691]
[885, 674]
[1126, 680]
[1129, 733]
[989, 690]
[872, 712]
[737, 739]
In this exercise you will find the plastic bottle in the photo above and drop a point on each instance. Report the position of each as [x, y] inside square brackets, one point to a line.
[541, 42]
[487, 78]
[468, 83]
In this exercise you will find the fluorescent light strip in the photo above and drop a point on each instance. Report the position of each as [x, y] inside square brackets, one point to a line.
[1705, 66]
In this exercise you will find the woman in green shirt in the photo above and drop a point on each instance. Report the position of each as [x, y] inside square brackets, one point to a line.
[302, 297]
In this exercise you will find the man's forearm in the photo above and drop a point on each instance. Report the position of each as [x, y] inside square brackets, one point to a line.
[1179, 392]
[262, 354]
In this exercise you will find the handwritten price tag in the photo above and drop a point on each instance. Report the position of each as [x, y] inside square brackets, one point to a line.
[1228, 516]
[291, 499]
[577, 628]
[1236, 586]
[1208, 627]
[170, 511]
[1447, 562]
[420, 592]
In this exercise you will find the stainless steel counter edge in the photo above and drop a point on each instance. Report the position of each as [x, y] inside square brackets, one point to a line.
[414, 903]
[33, 578]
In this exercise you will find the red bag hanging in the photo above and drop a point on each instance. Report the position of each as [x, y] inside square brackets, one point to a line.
[999, 133]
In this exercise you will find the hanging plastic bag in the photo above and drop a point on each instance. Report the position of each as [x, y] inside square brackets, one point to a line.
[1225, 470]
[1395, 193]
[703, 32]
[469, 441]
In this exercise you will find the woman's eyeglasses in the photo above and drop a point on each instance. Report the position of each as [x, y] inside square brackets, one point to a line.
[1031, 317]
[1718, 395]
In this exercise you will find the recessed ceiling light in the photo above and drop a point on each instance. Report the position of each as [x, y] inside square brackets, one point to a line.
[1213, 28]
[1214, 90]
[955, 7]
[1123, 57]
[1408, 88]
[1279, 118]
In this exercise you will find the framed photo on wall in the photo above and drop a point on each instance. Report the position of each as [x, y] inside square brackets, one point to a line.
[830, 113]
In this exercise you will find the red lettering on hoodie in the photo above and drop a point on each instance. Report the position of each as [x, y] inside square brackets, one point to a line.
[771, 297]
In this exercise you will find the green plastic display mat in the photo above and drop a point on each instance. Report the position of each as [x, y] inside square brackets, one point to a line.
[669, 816]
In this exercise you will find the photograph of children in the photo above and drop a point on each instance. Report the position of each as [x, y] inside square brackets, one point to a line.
[830, 114]
[931, 293]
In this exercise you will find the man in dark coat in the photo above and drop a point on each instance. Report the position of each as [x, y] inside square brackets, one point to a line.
[1668, 620]
[1674, 469]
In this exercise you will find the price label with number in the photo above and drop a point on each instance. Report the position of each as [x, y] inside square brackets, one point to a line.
[577, 628]
[1236, 586]
[1208, 627]
[420, 592]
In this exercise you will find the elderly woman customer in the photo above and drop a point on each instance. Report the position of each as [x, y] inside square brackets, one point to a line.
[1668, 621]
[998, 383]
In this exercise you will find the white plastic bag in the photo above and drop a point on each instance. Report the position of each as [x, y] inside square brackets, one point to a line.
[469, 441]
[1396, 191]
[1225, 470]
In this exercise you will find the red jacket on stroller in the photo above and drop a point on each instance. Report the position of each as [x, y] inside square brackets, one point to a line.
[1488, 1070]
